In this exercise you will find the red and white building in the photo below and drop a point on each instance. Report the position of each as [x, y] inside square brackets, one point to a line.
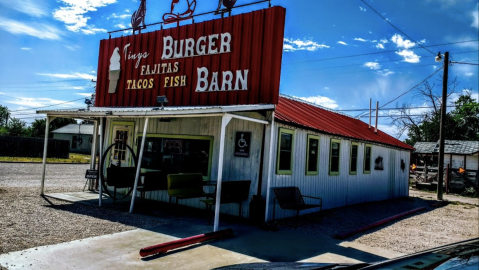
[226, 119]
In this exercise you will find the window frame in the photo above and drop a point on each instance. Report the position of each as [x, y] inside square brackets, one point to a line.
[175, 136]
[351, 172]
[364, 159]
[331, 156]
[278, 152]
[308, 172]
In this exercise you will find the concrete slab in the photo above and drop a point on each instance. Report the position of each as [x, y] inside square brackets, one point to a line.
[249, 244]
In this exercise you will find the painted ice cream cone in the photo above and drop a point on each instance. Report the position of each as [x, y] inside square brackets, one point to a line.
[114, 70]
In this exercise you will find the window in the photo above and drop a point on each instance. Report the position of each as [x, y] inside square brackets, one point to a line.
[285, 152]
[367, 159]
[174, 154]
[312, 156]
[353, 159]
[334, 157]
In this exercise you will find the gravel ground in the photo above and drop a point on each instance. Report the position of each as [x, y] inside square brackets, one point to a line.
[27, 220]
[429, 228]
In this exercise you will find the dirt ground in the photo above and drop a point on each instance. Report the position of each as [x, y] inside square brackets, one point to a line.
[28, 220]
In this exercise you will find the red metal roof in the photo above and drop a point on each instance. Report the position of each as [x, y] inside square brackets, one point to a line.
[302, 113]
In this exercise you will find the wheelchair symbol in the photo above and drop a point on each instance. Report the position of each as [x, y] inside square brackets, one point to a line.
[242, 142]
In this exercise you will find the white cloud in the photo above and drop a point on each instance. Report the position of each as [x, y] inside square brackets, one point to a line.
[385, 72]
[84, 94]
[383, 40]
[121, 26]
[362, 9]
[291, 45]
[322, 101]
[372, 65]
[122, 16]
[39, 30]
[28, 7]
[342, 42]
[409, 56]
[39, 102]
[380, 46]
[91, 31]
[26, 49]
[402, 43]
[360, 39]
[72, 47]
[69, 76]
[469, 74]
[326, 88]
[474, 15]
[73, 13]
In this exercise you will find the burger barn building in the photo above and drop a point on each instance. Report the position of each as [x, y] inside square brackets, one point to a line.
[204, 98]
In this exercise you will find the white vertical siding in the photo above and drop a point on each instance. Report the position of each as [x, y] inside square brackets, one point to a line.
[343, 189]
[235, 168]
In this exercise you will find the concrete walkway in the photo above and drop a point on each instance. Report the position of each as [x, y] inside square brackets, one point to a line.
[249, 244]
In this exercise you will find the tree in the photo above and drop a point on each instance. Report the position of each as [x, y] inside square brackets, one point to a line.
[422, 124]
[38, 126]
[16, 127]
[466, 116]
[3, 116]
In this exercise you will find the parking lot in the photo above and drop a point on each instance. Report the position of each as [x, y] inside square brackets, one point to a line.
[30, 221]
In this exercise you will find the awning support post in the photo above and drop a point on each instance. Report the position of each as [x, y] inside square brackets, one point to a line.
[225, 119]
[102, 137]
[270, 160]
[93, 152]
[45, 149]
[138, 168]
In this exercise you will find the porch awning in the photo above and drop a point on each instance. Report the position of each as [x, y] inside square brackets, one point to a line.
[141, 112]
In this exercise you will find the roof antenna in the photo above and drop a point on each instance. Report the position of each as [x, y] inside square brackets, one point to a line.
[370, 100]
[377, 112]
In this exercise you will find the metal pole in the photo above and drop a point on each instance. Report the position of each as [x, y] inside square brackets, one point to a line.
[370, 100]
[45, 149]
[100, 160]
[138, 168]
[441, 129]
[268, 185]
[93, 152]
[377, 112]
[225, 119]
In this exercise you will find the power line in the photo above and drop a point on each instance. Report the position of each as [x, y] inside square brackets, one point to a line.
[61, 81]
[47, 106]
[454, 62]
[407, 108]
[372, 53]
[379, 62]
[407, 90]
[396, 27]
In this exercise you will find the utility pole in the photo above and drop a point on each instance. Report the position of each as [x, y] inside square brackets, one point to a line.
[441, 129]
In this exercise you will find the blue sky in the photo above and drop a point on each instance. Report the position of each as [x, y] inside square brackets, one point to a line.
[337, 53]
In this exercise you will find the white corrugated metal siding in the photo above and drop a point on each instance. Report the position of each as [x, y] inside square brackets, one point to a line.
[235, 168]
[343, 189]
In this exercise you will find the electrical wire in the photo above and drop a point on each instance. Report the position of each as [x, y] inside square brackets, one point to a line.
[379, 62]
[419, 44]
[454, 62]
[360, 115]
[47, 106]
[364, 54]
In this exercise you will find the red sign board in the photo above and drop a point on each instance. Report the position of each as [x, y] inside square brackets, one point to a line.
[230, 61]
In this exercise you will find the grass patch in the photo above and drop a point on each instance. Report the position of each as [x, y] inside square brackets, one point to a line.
[74, 158]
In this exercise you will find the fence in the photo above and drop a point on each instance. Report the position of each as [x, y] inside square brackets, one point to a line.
[33, 147]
